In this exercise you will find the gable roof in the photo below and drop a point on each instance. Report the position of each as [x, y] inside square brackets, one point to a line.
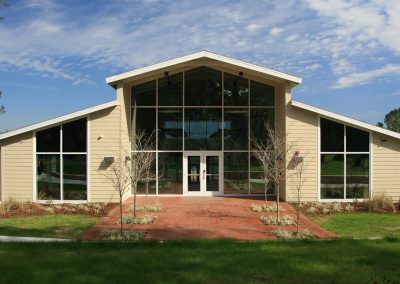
[58, 120]
[112, 80]
[345, 119]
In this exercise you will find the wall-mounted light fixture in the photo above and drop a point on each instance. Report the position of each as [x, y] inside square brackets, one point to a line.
[100, 137]
[166, 76]
[109, 159]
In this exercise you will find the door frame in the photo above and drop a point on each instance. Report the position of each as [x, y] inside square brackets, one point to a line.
[203, 191]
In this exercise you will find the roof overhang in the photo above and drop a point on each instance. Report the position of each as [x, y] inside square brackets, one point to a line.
[58, 120]
[204, 56]
[347, 120]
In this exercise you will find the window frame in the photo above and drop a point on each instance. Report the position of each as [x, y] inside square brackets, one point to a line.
[61, 153]
[222, 107]
[345, 154]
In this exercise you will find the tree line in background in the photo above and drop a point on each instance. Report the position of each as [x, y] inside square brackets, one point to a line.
[391, 120]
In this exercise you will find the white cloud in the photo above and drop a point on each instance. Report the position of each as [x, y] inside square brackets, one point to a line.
[254, 27]
[292, 37]
[275, 31]
[361, 78]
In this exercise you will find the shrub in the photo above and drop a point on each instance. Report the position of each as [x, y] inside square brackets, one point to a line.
[265, 208]
[304, 235]
[143, 220]
[150, 208]
[270, 220]
[114, 235]
[380, 203]
[311, 210]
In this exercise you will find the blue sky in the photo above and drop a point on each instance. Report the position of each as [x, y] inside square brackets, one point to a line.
[54, 55]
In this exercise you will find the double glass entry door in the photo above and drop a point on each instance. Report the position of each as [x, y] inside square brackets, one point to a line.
[202, 173]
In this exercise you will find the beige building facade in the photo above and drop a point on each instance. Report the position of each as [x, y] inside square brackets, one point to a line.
[206, 110]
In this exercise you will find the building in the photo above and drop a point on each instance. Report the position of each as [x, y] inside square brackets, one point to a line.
[206, 108]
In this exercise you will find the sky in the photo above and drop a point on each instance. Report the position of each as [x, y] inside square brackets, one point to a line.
[55, 55]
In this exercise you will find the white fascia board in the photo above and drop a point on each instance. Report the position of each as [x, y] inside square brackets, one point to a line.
[198, 55]
[347, 120]
[58, 120]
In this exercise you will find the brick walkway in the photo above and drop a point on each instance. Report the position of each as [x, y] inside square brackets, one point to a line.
[203, 218]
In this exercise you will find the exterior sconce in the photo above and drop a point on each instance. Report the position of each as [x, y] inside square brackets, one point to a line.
[109, 160]
[297, 158]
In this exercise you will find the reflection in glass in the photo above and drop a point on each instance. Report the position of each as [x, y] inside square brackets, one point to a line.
[193, 173]
[236, 90]
[74, 136]
[332, 176]
[48, 140]
[257, 181]
[170, 173]
[261, 94]
[236, 172]
[258, 118]
[236, 129]
[149, 183]
[332, 136]
[357, 175]
[144, 94]
[170, 122]
[203, 87]
[74, 177]
[212, 173]
[203, 129]
[48, 177]
[356, 140]
[170, 90]
[144, 121]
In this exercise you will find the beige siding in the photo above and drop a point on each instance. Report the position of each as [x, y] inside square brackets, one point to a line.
[302, 132]
[17, 167]
[104, 141]
[386, 166]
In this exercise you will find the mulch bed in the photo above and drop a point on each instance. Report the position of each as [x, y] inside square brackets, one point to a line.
[19, 209]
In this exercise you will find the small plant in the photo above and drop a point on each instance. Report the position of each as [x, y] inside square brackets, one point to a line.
[288, 235]
[115, 235]
[283, 234]
[270, 220]
[349, 208]
[150, 208]
[336, 207]
[304, 235]
[265, 208]
[144, 220]
[311, 210]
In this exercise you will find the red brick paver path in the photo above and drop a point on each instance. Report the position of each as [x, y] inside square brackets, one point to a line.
[203, 218]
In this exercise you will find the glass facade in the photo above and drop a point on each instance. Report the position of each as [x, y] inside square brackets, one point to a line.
[203, 109]
[61, 162]
[344, 160]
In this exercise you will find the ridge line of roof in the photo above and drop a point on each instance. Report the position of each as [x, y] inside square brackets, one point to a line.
[142, 70]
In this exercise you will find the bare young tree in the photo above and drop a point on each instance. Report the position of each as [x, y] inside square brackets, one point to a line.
[142, 158]
[272, 153]
[297, 182]
[118, 177]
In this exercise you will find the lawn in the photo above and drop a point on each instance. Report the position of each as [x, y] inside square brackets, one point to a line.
[361, 225]
[205, 261]
[49, 226]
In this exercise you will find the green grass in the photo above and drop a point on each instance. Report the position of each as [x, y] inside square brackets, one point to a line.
[361, 225]
[208, 261]
[48, 226]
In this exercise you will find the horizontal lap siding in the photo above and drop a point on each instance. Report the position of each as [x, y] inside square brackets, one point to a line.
[302, 133]
[106, 123]
[17, 167]
[386, 166]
